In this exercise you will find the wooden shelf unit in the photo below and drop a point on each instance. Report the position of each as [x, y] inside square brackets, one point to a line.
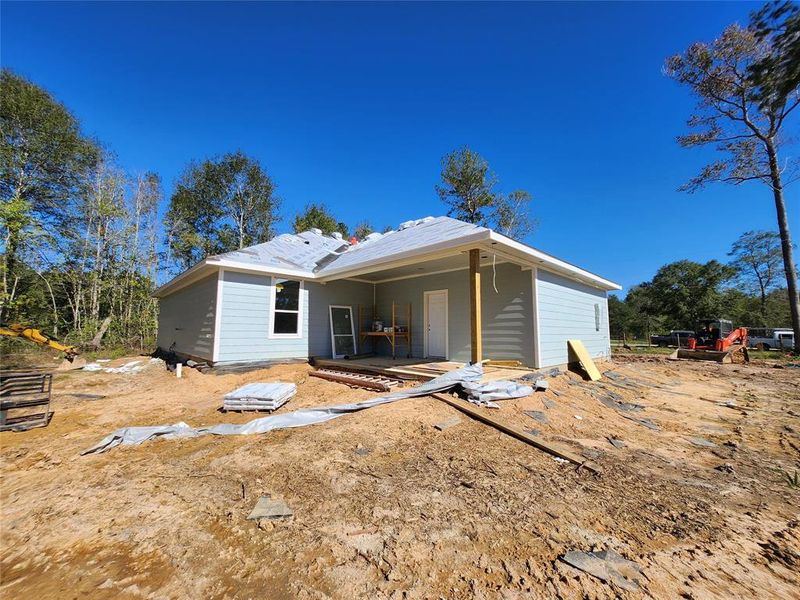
[366, 316]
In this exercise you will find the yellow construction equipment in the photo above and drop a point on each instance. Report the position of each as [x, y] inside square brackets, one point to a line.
[39, 338]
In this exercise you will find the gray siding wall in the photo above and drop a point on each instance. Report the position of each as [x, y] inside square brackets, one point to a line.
[567, 311]
[320, 297]
[246, 306]
[186, 319]
[244, 327]
[507, 322]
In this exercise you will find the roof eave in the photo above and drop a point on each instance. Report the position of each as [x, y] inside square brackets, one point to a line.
[537, 257]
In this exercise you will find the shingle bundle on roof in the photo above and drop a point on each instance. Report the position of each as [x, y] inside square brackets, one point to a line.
[259, 396]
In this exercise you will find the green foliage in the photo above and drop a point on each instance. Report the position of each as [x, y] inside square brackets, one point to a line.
[512, 214]
[44, 157]
[757, 259]
[776, 76]
[728, 116]
[467, 186]
[317, 216]
[218, 206]
[745, 83]
[362, 230]
[685, 291]
[44, 163]
[468, 190]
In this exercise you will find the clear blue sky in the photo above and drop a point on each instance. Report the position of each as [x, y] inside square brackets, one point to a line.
[354, 105]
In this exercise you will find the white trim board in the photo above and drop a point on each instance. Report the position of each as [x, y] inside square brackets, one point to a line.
[218, 315]
[537, 349]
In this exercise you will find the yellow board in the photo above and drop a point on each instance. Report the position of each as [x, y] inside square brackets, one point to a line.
[578, 350]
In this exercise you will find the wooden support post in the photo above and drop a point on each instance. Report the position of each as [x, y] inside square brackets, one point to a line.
[476, 342]
[482, 416]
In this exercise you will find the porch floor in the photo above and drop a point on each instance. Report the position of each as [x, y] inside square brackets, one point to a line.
[415, 368]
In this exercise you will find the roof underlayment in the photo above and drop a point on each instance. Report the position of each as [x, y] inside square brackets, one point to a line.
[312, 254]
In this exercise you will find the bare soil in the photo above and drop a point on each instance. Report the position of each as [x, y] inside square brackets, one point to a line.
[387, 506]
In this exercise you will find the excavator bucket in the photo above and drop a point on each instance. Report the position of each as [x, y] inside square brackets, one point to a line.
[720, 356]
[713, 355]
[70, 365]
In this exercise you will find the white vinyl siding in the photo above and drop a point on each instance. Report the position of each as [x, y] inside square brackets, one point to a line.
[570, 310]
[186, 319]
[246, 322]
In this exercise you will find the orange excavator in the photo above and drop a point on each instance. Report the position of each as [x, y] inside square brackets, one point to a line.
[717, 340]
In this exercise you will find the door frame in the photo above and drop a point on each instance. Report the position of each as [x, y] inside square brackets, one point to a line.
[425, 297]
[352, 328]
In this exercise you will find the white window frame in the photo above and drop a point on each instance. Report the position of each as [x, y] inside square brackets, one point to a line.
[273, 310]
[352, 330]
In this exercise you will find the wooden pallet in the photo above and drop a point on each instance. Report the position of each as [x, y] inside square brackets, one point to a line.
[378, 383]
[23, 390]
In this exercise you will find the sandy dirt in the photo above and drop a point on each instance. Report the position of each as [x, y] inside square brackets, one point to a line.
[387, 506]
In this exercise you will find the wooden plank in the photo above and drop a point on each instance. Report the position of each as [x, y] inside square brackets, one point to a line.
[582, 354]
[476, 341]
[524, 436]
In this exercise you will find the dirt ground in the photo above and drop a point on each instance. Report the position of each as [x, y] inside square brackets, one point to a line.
[387, 506]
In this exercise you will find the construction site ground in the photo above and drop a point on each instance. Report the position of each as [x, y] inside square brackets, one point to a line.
[387, 506]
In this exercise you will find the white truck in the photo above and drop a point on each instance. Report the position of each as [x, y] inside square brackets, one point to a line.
[771, 339]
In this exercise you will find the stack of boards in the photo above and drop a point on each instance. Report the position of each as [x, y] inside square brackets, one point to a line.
[259, 396]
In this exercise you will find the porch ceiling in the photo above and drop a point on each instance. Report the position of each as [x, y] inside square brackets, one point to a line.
[427, 267]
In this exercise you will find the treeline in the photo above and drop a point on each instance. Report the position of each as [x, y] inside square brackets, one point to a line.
[80, 236]
[749, 290]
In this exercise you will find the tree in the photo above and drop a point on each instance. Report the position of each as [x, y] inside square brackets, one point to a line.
[317, 216]
[686, 291]
[757, 259]
[512, 214]
[44, 163]
[748, 132]
[362, 230]
[468, 191]
[218, 206]
[467, 186]
[776, 75]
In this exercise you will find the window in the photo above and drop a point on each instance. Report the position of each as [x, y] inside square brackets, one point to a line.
[286, 308]
[597, 317]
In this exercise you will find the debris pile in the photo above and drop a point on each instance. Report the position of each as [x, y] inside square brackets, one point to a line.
[133, 366]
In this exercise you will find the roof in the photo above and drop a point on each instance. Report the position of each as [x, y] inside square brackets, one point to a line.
[314, 255]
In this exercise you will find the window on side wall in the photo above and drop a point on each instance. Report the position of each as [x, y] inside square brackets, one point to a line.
[597, 317]
[286, 308]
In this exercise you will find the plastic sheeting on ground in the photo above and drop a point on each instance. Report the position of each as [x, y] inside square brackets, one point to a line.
[483, 394]
[307, 416]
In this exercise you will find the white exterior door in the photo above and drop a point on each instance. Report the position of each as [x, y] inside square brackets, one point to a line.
[436, 324]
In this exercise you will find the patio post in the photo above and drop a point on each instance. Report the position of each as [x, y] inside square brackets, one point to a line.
[476, 343]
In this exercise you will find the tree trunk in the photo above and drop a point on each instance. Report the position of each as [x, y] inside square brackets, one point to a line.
[98, 338]
[786, 243]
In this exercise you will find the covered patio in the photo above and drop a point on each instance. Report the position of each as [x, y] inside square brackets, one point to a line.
[415, 368]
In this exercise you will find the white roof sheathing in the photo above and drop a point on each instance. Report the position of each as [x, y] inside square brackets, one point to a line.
[313, 255]
[305, 251]
[414, 238]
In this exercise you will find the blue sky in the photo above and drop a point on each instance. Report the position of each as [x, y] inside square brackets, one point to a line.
[354, 105]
